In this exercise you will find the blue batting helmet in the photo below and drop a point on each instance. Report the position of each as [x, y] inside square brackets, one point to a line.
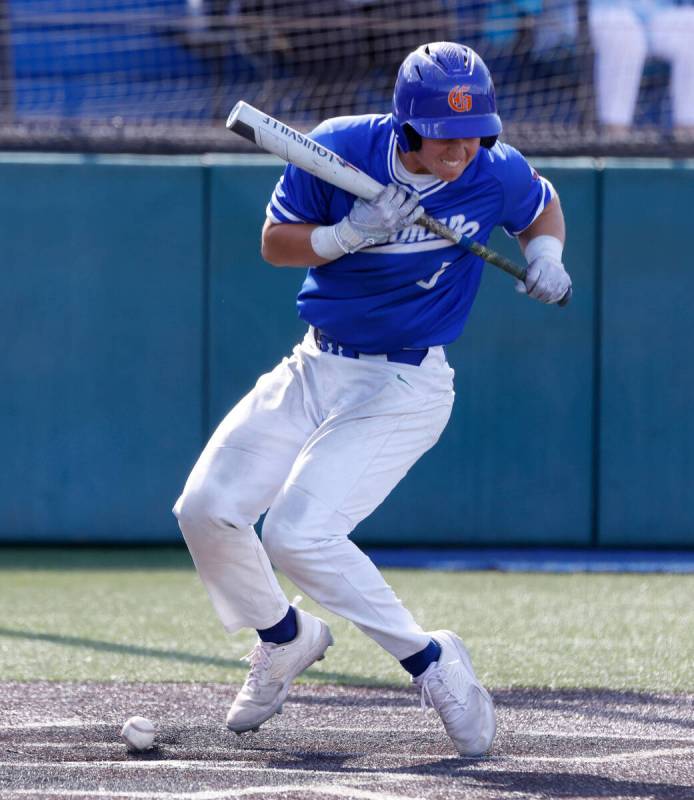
[444, 91]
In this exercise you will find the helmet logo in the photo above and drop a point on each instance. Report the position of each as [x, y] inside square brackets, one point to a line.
[459, 100]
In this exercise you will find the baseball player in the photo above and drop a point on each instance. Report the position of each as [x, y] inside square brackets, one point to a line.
[322, 439]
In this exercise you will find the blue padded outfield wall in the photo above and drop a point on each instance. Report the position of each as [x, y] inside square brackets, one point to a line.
[102, 346]
[136, 310]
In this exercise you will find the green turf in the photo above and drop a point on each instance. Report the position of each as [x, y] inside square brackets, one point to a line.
[122, 615]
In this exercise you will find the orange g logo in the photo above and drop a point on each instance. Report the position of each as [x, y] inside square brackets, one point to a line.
[458, 100]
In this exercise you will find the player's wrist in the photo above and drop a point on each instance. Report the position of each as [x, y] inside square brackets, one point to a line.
[544, 246]
[334, 241]
[325, 243]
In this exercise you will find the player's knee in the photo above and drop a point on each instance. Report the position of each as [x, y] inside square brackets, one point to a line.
[200, 509]
[297, 523]
[282, 542]
[287, 537]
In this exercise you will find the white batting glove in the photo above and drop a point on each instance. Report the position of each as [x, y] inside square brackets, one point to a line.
[375, 221]
[546, 279]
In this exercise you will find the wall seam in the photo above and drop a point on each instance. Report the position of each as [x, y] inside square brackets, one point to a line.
[597, 351]
[205, 305]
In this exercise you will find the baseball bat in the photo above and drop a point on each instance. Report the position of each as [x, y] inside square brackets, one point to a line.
[297, 148]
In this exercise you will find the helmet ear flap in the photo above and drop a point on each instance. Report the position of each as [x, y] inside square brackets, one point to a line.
[488, 141]
[414, 140]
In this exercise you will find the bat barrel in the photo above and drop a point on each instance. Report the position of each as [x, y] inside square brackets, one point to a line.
[300, 149]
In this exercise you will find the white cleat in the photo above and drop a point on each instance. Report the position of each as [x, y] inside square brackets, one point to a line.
[273, 668]
[464, 705]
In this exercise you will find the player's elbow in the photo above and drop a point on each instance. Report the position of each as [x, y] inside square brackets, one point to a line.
[288, 245]
[270, 248]
[269, 254]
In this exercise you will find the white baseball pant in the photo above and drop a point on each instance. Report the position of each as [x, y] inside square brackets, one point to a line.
[321, 440]
[622, 41]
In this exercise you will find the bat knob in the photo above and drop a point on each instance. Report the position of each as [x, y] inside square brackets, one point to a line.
[567, 297]
[237, 125]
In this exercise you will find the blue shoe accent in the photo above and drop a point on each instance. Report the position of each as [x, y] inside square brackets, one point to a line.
[417, 663]
[283, 631]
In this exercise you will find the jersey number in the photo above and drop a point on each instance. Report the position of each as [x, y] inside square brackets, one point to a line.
[432, 281]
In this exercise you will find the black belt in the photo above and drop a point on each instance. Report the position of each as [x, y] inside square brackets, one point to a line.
[329, 345]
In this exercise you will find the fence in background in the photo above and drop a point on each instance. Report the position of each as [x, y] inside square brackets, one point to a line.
[137, 310]
[162, 75]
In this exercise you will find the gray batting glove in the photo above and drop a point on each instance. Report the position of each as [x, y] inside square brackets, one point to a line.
[546, 280]
[375, 221]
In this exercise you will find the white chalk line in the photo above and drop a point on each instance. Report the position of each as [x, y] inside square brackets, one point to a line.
[635, 737]
[606, 759]
[78, 723]
[348, 774]
[199, 766]
[222, 794]
[221, 751]
[229, 763]
[252, 766]
[24, 747]
[74, 722]
[593, 735]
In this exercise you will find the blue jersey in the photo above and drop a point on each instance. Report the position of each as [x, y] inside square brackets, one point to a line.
[415, 290]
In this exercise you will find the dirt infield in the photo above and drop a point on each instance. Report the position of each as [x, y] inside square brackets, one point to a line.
[61, 740]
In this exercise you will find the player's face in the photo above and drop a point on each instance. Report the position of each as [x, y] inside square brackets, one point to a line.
[444, 158]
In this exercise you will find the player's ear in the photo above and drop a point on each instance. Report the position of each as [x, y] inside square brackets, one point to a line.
[488, 141]
[414, 140]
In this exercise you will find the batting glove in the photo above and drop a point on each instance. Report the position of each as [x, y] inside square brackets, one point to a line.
[546, 279]
[375, 221]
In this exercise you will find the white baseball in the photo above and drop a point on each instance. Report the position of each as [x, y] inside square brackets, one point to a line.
[138, 733]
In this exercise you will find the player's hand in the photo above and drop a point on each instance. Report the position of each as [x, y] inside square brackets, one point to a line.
[546, 280]
[375, 221]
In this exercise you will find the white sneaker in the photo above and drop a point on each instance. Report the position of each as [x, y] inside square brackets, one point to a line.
[273, 668]
[450, 686]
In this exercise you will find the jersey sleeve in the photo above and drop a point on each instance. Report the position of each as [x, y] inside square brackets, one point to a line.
[526, 193]
[300, 196]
